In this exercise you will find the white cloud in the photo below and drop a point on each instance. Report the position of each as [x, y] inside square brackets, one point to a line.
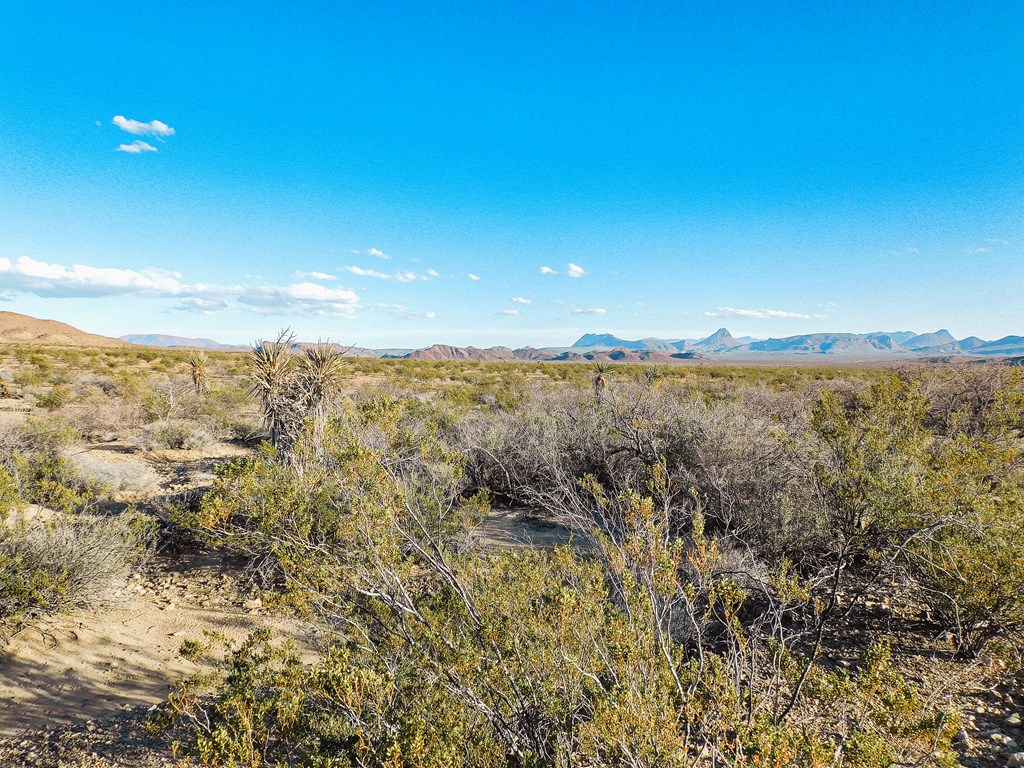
[307, 299]
[27, 275]
[136, 147]
[575, 270]
[547, 271]
[521, 300]
[398, 277]
[313, 276]
[594, 311]
[509, 312]
[471, 276]
[378, 253]
[400, 311]
[759, 314]
[152, 128]
[202, 306]
[433, 273]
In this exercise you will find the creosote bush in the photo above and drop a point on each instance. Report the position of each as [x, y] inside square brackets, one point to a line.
[646, 648]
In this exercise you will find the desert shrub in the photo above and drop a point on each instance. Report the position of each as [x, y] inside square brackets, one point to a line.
[54, 398]
[948, 507]
[125, 476]
[70, 562]
[176, 434]
[437, 656]
[34, 459]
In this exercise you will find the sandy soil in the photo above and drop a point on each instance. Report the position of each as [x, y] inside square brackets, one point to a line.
[89, 664]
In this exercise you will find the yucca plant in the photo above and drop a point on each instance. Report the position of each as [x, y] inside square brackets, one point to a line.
[273, 373]
[198, 364]
[319, 379]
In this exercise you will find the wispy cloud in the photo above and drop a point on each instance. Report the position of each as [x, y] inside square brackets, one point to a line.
[48, 280]
[909, 251]
[433, 273]
[575, 270]
[759, 314]
[313, 276]
[521, 300]
[377, 253]
[471, 276]
[202, 306]
[307, 299]
[398, 277]
[545, 270]
[404, 312]
[152, 128]
[593, 311]
[509, 312]
[136, 147]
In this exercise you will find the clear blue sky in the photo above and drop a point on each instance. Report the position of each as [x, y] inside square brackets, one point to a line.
[777, 168]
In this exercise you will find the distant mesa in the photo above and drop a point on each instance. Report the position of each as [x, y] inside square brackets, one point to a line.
[23, 329]
[163, 340]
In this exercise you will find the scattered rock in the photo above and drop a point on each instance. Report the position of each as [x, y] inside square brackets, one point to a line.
[1016, 760]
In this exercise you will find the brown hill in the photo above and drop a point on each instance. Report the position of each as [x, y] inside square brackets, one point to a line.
[23, 329]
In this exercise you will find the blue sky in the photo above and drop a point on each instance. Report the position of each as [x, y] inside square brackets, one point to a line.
[350, 169]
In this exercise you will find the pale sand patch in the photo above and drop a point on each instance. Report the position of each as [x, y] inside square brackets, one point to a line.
[92, 663]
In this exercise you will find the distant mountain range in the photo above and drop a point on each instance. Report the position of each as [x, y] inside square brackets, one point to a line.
[941, 343]
[721, 344]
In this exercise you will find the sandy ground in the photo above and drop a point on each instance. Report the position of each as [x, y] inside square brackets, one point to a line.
[89, 664]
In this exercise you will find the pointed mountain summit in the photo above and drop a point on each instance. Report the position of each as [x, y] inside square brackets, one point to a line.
[940, 337]
[719, 341]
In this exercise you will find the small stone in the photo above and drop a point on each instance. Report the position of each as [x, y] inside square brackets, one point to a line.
[1013, 719]
[1016, 760]
[962, 738]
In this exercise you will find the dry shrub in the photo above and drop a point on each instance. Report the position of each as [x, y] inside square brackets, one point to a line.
[127, 476]
[176, 434]
[70, 562]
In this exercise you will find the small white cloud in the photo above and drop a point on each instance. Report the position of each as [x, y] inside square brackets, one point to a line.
[433, 273]
[547, 271]
[404, 312]
[594, 311]
[471, 276]
[575, 270]
[758, 314]
[377, 252]
[136, 147]
[521, 300]
[398, 277]
[313, 276]
[152, 128]
[977, 251]
[997, 241]
[202, 306]
[509, 312]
